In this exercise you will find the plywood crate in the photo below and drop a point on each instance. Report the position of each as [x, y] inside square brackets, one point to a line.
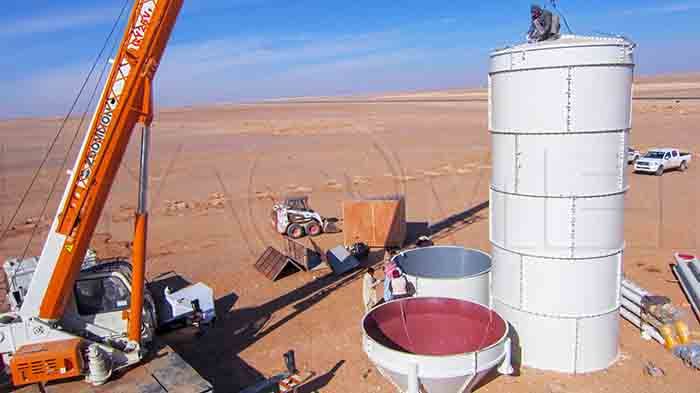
[377, 222]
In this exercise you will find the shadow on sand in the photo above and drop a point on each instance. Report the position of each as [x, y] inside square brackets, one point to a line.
[215, 354]
[444, 227]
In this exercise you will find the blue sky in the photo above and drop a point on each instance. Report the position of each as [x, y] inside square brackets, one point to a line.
[247, 50]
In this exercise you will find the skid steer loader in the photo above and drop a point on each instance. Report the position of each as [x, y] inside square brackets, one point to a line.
[294, 218]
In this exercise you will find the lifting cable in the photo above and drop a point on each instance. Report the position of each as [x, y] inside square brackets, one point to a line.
[70, 148]
[60, 131]
[563, 18]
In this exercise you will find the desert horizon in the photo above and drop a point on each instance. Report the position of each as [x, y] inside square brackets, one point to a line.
[664, 85]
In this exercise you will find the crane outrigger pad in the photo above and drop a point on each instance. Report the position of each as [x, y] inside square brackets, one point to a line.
[165, 372]
[272, 263]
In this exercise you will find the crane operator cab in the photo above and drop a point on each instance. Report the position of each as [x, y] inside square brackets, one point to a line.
[102, 295]
[543, 25]
[101, 300]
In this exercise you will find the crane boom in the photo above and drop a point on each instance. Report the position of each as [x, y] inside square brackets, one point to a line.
[72, 320]
[125, 101]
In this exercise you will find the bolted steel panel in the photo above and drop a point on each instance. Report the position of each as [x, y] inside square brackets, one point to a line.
[597, 342]
[555, 337]
[572, 227]
[518, 101]
[610, 102]
[559, 164]
[576, 296]
[569, 50]
[569, 345]
[506, 277]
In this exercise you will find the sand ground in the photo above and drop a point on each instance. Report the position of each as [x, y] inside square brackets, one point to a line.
[216, 170]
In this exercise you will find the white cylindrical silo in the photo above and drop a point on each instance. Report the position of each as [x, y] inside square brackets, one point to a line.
[559, 116]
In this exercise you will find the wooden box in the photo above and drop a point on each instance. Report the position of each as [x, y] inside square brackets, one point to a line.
[379, 222]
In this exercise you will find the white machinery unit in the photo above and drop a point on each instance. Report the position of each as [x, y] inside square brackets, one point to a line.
[560, 117]
[447, 271]
[196, 300]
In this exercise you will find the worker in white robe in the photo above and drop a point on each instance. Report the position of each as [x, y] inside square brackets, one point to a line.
[369, 293]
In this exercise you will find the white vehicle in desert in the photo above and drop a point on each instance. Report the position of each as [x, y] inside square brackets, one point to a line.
[657, 161]
[632, 155]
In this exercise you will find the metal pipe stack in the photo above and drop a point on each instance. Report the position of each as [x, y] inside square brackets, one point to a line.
[687, 269]
[654, 315]
[631, 309]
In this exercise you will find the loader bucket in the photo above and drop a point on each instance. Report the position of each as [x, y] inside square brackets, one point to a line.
[330, 225]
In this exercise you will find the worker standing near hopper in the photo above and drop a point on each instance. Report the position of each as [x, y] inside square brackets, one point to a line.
[369, 293]
[399, 285]
[389, 268]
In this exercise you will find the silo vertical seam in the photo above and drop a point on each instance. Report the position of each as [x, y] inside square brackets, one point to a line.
[522, 282]
[519, 62]
[491, 193]
[545, 202]
[516, 170]
[577, 345]
[622, 160]
[569, 92]
[511, 62]
[619, 277]
[505, 222]
[545, 217]
[572, 228]
[545, 175]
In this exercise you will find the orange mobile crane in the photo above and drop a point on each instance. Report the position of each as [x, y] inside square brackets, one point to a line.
[69, 320]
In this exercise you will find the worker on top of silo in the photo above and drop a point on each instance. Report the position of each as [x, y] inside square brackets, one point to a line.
[543, 25]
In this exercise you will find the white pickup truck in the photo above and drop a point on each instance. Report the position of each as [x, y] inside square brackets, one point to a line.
[657, 161]
[632, 155]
